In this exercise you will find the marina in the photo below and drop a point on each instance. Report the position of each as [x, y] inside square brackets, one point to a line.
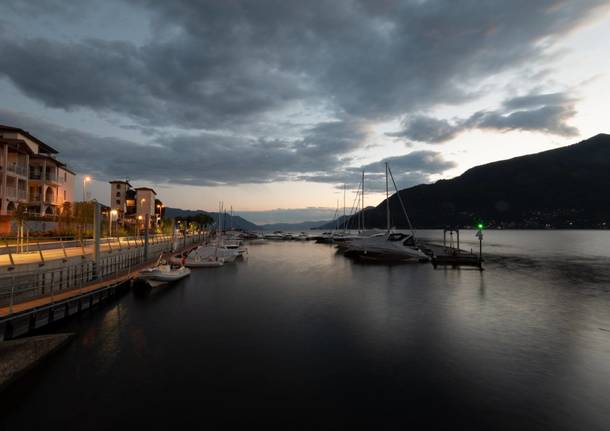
[298, 324]
[346, 214]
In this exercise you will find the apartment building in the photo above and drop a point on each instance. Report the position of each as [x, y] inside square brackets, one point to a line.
[133, 205]
[31, 175]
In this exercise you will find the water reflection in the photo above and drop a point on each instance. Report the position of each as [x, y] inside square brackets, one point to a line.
[517, 346]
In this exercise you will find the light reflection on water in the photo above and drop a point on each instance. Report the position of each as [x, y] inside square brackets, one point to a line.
[524, 344]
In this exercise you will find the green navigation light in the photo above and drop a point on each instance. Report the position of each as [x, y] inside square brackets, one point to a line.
[480, 226]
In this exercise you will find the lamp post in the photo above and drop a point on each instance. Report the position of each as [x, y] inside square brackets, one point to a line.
[139, 221]
[113, 213]
[85, 181]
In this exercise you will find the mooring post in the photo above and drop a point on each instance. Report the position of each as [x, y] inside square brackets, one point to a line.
[480, 236]
[10, 255]
[12, 296]
[146, 226]
[97, 233]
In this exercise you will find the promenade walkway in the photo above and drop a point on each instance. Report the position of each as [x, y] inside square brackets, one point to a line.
[60, 251]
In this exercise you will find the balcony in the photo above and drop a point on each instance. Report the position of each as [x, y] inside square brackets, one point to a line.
[11, 192]
[17, 169]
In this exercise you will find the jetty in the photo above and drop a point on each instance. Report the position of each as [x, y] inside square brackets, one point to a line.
[450, 253]
[42, 288]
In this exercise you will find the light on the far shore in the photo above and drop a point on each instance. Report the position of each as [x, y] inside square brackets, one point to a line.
[480, 226]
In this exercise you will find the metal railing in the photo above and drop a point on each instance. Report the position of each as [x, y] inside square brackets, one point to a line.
[23, 286]
[18, 169]
[11, 243]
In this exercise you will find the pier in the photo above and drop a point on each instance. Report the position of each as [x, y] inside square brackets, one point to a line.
[450, 253]
[39, 291]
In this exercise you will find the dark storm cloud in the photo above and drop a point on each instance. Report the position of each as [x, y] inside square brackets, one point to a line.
[199, 159]
[242, 68]
[410, 169]
[548, 113]
[213, 64]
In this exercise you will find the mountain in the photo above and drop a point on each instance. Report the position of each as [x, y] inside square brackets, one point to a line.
[306, 225]
[236, 222]
[566, 187]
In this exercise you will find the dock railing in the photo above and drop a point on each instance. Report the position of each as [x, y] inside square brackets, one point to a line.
[22, 286]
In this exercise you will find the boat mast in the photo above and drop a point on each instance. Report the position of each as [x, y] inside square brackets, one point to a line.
[344, 207]
[336, 216]
[387, 198]
[402, 204]
[362, 197]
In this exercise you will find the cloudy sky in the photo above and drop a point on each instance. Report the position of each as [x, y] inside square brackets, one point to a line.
[273, 104]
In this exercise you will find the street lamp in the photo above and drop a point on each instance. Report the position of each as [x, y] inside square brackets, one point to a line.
[139, 221]
[86, 180]
[113, 214]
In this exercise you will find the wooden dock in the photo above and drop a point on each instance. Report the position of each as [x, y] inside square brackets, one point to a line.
[453, 257]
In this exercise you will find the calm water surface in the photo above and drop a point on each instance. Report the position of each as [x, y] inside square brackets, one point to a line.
[522, 345]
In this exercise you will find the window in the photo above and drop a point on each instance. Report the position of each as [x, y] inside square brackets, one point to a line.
[118, 202]
[118, 194]
[64, 195]
[118, 186]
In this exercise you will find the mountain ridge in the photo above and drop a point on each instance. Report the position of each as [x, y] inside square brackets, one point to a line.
[565, 187]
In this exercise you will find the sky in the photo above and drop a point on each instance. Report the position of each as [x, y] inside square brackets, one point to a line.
[271, 106]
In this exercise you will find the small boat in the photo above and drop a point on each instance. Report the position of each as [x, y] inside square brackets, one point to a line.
[227, 254]
[277, 235]
[163, 272]
[204, 262]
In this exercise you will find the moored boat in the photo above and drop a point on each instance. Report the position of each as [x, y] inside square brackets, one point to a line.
[163, 272]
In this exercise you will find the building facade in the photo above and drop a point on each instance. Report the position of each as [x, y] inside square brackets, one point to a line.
[133, 205]
[31, 176]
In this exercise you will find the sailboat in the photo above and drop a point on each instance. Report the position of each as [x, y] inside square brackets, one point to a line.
[211, 255]
[389, 245]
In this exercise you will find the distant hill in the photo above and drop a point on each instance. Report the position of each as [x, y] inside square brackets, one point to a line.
[568, 187]
[306, 225]
[236, 222]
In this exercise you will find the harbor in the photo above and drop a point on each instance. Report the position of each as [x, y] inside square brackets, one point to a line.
[345, 214]
[297, 314]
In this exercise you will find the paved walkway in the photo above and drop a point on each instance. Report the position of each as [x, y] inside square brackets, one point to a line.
[69, 252]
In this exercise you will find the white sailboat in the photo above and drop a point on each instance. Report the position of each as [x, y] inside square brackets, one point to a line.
[211, 255]
[389, 245]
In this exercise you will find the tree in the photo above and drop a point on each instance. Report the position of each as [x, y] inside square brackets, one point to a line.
[65, 218]
[21, 216]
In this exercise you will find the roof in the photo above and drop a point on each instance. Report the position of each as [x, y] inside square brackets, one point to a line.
[17, 145]
[120, 182]
[146, 188]
[45, 147]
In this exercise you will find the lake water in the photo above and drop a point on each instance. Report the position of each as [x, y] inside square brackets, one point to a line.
[524, 344]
